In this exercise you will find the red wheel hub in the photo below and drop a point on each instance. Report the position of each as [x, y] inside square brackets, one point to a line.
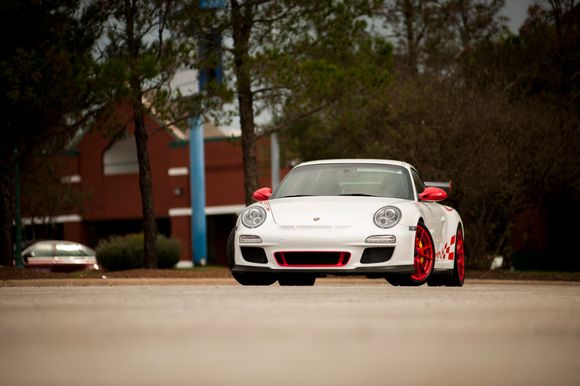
[424, 254]
[460, 256]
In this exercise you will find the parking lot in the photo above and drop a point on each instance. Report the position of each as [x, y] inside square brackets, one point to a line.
[339, 332]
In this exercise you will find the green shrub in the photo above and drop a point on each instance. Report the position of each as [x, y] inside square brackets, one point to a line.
[168, 251]
[127, 252]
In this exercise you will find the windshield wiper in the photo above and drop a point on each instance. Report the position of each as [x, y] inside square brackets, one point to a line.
[297, 195]
[357, 194]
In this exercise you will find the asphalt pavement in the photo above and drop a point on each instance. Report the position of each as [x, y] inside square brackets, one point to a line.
[339, 332]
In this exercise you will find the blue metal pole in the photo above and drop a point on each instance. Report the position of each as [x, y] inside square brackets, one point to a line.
[197, 181]
[197, 160]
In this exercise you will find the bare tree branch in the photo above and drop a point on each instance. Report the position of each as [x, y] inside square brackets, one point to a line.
[299, 117]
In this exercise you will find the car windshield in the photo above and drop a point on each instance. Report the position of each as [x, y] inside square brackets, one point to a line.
[373, 180]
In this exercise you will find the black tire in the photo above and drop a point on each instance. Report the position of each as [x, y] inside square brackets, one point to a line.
[394, 280]
[438, 279]
[409, 280]
[405, 281]
[296, 279]
[230, 249]
[254, 278]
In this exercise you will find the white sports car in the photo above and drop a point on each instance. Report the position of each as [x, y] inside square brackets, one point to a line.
[349, 217]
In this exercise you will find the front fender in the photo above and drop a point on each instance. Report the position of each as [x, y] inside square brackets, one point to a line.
[411, 213]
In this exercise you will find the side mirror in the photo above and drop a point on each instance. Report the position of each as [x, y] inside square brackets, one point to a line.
[262, 194]
[433, 194]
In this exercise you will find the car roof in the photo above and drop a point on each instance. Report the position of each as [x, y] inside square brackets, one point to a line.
[356, 161]
[54, 242]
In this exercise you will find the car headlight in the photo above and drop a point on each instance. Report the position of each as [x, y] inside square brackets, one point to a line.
[253, 217]
[387, 217]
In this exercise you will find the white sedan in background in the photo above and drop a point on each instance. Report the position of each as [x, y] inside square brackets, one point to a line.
[59, 255]
[349, 217]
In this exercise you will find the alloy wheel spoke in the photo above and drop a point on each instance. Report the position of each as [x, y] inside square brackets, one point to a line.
[423, 256]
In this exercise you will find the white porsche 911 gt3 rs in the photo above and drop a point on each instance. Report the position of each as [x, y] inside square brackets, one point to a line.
[349, 217]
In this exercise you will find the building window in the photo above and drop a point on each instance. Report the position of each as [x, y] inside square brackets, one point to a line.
[121, 157]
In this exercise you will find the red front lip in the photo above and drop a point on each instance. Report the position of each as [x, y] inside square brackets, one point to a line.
[343, 258]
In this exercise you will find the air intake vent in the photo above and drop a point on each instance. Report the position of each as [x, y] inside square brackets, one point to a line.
[254, 255]
[376, 255]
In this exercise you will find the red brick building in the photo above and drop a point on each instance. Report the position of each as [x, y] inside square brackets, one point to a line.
[105, 168]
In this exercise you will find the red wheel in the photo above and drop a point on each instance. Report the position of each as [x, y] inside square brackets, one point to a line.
[424, 260]
[458, 274]
[424, 255]
[453, 277]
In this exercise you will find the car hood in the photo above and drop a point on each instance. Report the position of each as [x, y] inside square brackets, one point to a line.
[326, 211]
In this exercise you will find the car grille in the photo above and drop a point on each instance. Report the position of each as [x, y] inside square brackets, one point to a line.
[312, 259]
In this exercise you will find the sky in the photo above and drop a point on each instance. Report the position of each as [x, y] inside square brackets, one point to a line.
[516, 11]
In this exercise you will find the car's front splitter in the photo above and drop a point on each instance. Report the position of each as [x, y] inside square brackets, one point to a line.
[364, 271]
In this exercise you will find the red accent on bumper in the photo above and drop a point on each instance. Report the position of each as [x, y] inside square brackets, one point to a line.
[306, 259]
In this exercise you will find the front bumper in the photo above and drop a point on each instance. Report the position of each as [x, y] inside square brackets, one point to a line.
[350, 240]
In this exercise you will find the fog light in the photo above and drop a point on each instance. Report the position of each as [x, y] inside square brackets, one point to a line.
[250, 239]
[382, 239]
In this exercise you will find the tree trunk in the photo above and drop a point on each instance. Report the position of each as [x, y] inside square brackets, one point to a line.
[145, 185]
[6, 211]
[464, 24]
[409, 15]
[242, 20]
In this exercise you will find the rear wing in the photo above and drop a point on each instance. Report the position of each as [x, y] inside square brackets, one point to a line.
[447, 186]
